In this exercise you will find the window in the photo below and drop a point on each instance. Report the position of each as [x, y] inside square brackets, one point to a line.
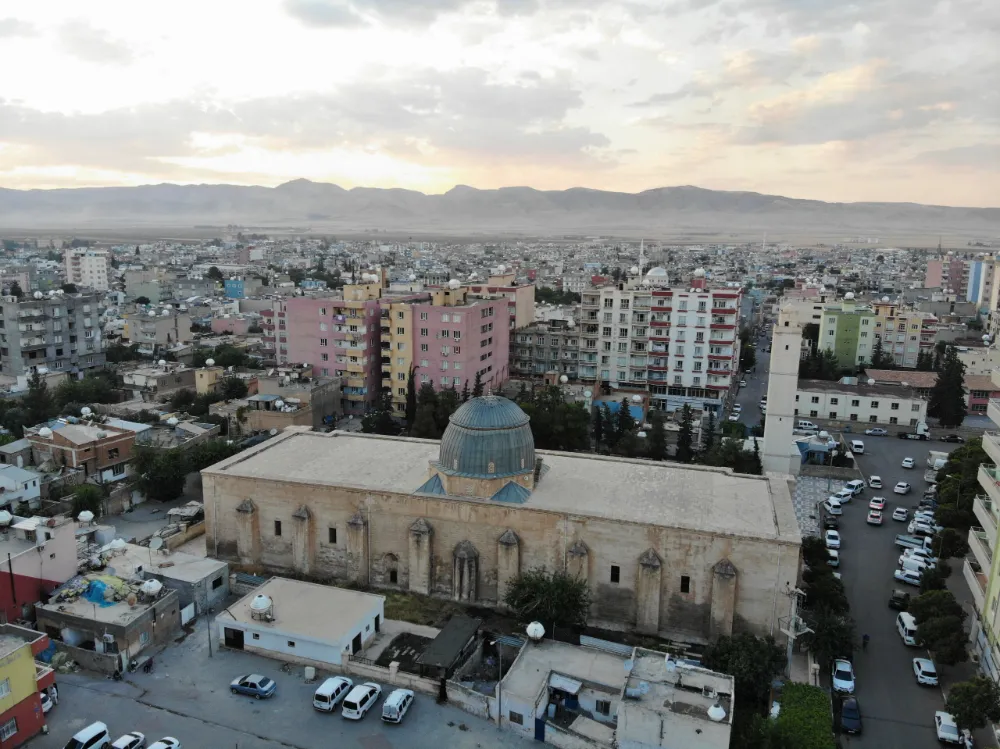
[118, 469]
[217, 583]
[685, 584]
[424, 347]
[604, 707]
[874, 404]
[8, 729]
[393, 576]
[324, 357]
[256, 636]
[4, 687]
[872, 419]
[814, 414]
[277, 527]
[855, 403]
[894, 407]
[400, 315]
[915, 407]
[112, 453]
[854, 417]
[833, 415]
[143, 638]
[323, 342]
[834, 401]
[423, 315]
[423, 332]
[331, 534]
[516, 718]
[814, 399]
[291, 643]
[616, 573]
[400, 331]
[893, 420]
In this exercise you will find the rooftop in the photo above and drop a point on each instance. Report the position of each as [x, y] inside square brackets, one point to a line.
[885, 390]
[911, 377]
[176, 565]
[309, 610]
[537, 660]
[665, 494]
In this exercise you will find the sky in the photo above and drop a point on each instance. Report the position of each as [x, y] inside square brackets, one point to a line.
[876, 100]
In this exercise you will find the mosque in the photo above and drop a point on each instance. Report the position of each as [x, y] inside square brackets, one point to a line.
[688, 552]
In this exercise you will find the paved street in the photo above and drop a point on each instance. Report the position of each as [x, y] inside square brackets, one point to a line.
[187, 697]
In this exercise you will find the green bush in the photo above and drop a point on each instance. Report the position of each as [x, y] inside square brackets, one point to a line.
[806, 717]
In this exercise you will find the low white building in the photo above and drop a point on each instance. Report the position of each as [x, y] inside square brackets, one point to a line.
[19, 485]
[305, 622]
[848, 400]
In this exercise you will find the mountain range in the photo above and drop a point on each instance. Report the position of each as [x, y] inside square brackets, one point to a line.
[319, 206]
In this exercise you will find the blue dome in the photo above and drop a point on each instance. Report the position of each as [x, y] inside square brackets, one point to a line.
[488, 437]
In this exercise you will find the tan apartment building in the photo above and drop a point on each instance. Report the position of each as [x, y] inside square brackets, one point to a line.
[101, 451]
[154, 382]
[155, 330]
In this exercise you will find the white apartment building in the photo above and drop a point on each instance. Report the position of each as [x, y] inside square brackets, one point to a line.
[680, 344]
[884, 405]
[90, 268]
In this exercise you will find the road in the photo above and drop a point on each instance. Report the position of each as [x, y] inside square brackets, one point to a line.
[187, 696]
[749, 396]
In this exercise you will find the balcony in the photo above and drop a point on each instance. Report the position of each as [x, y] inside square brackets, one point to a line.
[983, 509]
[989, 479]
[977, 582]
[993, 411]
[979, 543]
[991, 444]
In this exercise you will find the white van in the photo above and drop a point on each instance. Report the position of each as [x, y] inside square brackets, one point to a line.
[907, 628]
[856, 486]
[806, 425]
[396, 705]
[94, 736]
[857, 447]
[913, 564]
[360, 700]
[331, 692]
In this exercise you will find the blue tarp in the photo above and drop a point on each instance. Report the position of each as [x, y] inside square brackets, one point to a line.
[95, 594]
[615, 407]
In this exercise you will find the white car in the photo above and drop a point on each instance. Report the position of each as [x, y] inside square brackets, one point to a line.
[923, 669]
[875, 482]
[832, 539]
[131, 740]
[907, 576]
[874, 517]
[876, 432]
[360, 700]
[46, 699]
[167, 742]
[833, 557]
[947, 728]
[843, 676]
[901, 513]
[877, 503]
[919, 554]
[734, 416]
[743, 383]
[833, 507]
[908, 463]
[738, 408]
[843, 496]
[901, 488]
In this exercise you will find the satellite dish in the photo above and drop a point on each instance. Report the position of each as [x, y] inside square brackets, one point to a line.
[118, 544]
[162, 362]
[273, 432]
[564, 379]
[209, 362]
[173, 421]
[871, 381]
[45, 433]
[156, 543]
[717, 713]
[86, 411]
[535, 631]
[637, 399]
[150, 587]
[588, 394]
[5, 517]
[279, 404]
[85, 517]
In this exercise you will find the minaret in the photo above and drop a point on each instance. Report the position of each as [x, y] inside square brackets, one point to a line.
[642, 257]
[783, 381]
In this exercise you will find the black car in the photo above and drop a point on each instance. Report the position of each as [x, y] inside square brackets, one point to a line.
[952, 438]
[831, 523]
[850, 716]
[899, 600]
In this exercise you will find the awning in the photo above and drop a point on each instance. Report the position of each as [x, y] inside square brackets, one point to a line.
[565, 684]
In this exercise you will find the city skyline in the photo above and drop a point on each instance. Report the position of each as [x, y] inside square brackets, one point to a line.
[886, 102]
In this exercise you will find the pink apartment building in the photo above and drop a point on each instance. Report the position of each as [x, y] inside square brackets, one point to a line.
[452, 344]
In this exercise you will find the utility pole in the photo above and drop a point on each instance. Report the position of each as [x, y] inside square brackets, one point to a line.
[794, 627]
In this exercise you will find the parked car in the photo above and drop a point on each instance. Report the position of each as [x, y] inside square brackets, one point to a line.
[331, 692]
[877, 432]
[360, 700]
[900, 513]
[843, 676]
[46, 699]
[167, 742]
[832, 539]
[850, 716]
[923, 669]
[947, 728]
[876, 503]
[922, 554]
[833, 557]
[908, 463]
[843, 496]
[910, 577]
[875, 482]
[855, 487]
[952, 438]
[396, 705]
[830, 522]
[734, 416]
[743, 383]
[255, 685]
[833, 506]
[899, 600]
[131, 740]
[902, 488]
[737, 407]
[874, 517]
[94, 736]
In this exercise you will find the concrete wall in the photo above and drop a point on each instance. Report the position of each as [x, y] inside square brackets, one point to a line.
[102, 663]
[567, 739]
[179, 539]
[276, 645]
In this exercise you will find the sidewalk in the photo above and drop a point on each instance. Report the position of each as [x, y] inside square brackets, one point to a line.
[951, 675]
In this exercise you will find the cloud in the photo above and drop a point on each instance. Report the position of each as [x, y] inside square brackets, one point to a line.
[90, 44]
[14, 27]
[973, 156]
[323, 14]
[435, 118]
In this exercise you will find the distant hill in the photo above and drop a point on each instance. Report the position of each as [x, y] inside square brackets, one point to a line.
[306, 204]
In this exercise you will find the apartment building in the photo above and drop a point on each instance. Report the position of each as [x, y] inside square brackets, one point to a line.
[395, 328]
[848, 330]
[848, 400]
[152, 383]
[682, 343]
[543, 347]
[982, 564]
[949, 272]
[101, 451]
[904, 332]
[90, 268]
[54, 332]
[157, 329]
[23, 679]
[520, 297]
[339, 336]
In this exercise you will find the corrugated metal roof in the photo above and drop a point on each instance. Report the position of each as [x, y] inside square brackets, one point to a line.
[512, 492]
[489, 412]
[431, 486]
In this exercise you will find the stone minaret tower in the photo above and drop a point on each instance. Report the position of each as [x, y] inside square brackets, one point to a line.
[786, 346]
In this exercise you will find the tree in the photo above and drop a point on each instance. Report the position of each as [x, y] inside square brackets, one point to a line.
[159, 474]
[950, 543]
[465, 390]
[556, 424]
[752, 661]
[411, 399]
[477, 387]
[880, 358]
[87, 497]
[424, 422]
[974, 702]
[214, 273]
[945, 638]
[70, 288]
[233, 387]
[38, 401]
[15, 289]
[555, 599]
[624, 422]
[598, 422]
[947, 398]
[708, 434]
[447, 403]
[657, 436]
[685, 436]
[610, 432]
[756, 465]
[831, 637]
[378, 420]
[935, 604]
[933, 579]
[142, 300]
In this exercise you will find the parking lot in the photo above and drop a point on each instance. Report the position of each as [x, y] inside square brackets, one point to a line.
[187, 696]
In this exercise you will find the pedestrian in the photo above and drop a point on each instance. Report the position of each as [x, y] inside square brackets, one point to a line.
[54, 694]
[864, 643]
